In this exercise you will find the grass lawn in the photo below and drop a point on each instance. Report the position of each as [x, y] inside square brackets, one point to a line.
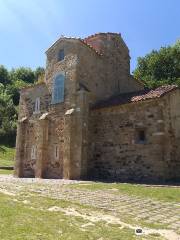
[56, 211]
[6, 156]
[163, 193]
[34, 221]
[29, 211]
[5, 171]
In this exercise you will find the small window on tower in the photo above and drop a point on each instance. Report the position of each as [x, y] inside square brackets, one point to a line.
[56, 151]
[33, 152]
[141, 136]
[37, 105]
[61, 55]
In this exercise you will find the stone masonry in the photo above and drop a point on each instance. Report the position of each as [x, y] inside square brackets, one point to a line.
[90, 119]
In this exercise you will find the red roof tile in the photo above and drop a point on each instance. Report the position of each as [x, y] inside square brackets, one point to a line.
[87, 40]
[91, 47]
[74, 38]
[84, 41]
[141, 95]
[101, 33]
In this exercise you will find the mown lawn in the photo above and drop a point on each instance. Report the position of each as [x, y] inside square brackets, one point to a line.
[30, 219]
[6, 156]
[38, 211]
[162, 193]
[6, 171]
[26, 216]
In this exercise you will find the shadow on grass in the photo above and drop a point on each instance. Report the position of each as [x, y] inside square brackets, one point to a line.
[165, 183]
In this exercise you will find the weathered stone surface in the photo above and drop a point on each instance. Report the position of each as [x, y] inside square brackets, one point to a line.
[73, 140]
[114, 152]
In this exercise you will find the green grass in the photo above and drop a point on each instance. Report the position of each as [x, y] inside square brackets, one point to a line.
[5, 171]
[33, 221]
[6, 156]
[162, 193]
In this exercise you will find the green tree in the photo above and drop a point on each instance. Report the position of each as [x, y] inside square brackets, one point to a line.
[22, 77]
[14, 90]
[10, 84]
[160, 67]
[4, 75]
[8, 118]
[39, 73]
[22, 74]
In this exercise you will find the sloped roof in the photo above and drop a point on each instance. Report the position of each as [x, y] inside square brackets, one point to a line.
[141, 95]
[33, 86]
[85, 40]
[77, 39]
[91, 47]
[102, 33]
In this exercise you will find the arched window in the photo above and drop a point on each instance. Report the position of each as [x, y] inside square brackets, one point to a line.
[37, 105]
[58, 89]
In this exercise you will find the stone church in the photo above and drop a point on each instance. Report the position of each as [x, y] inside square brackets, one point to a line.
[90, 119]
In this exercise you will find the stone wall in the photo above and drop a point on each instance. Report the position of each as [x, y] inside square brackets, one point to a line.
[29, 127]
[101, 143]
[27, 100]
[103, 75]
[72, 150]
[43, 134]
[172, 126]
[54, 165]
[91, 73]
[115, 152]
[66, 66]
[108, 74]
[57, 129]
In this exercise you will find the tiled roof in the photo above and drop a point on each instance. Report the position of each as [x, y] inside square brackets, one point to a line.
[78, 39]
[84, 41]
[101, 33]
[141, 95]
[91, 47]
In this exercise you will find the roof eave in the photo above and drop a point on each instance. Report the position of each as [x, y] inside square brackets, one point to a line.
[59, 40]
[138, 101]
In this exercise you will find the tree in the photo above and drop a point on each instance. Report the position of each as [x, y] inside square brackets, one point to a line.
[4, 75]
[8, 117]
[23, 74]
[10, 84]
[160, 67]
[22, 77]
[14, 90]
[39, 73]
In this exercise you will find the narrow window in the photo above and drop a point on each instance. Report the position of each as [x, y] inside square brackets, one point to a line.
[37, 105]
[56, 152]
[33, 152]
[61, 55]
[58, 89]
[141, 136]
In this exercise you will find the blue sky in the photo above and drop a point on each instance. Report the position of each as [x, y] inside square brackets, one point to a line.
[29, 27]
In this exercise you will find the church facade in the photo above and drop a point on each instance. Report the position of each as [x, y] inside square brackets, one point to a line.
[90, 119]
